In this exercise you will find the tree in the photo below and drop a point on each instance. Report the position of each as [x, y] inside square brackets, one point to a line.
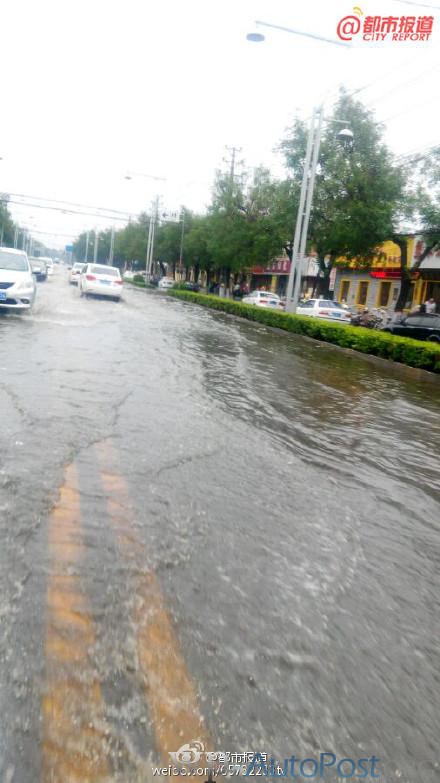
[422, 207]
[246, 226]
[358, 193]
[7, 225]
[196, 249]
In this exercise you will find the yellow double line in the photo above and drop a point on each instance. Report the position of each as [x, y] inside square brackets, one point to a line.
[75, 742]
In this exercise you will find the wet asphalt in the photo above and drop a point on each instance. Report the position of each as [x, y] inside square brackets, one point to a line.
[211, 532]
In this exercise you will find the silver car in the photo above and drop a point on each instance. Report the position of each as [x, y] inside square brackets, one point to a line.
[17, 283]
[263, 299]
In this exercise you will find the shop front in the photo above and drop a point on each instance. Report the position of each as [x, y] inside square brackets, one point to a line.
[275, 275]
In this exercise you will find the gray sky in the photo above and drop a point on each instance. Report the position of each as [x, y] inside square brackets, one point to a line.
[93, 90]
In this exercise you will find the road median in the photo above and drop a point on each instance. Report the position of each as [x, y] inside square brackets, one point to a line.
[403, 350]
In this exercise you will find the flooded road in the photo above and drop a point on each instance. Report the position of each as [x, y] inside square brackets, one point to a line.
[213, 533]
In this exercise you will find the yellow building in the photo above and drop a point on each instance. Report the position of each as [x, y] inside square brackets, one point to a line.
[376, 283]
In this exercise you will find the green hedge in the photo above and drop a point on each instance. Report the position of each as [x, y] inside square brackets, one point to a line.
[414, 353]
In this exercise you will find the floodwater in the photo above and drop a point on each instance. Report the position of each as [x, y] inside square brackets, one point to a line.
[214, 533]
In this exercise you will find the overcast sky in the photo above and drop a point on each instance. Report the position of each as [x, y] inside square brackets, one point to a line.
[93, 90]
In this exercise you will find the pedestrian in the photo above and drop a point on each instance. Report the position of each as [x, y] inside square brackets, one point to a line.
[236, 291]
[430, 306]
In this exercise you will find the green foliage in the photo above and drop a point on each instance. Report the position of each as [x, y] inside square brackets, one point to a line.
[388, 346]
[245, 224]
[7, 224]
[358, 193]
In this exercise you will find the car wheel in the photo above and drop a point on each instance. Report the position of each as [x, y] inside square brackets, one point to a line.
[433, 339]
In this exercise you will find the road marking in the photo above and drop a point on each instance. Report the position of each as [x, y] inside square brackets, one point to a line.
[170, 692]
[75, 743]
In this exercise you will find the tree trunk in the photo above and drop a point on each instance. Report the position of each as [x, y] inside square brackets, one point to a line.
[405, 283]
[196, 272]
[405, 287]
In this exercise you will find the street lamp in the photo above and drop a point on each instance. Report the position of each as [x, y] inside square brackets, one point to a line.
[309, 174]
[152, 224]
[257, 37]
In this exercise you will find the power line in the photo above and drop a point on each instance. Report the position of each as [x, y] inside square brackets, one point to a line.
[411, 108]
[68, 203]
[419, 5]
[70, 211]
[392, 90]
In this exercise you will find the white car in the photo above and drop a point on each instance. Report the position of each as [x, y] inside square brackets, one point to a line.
[166, 282]
[75, 273]
[324, 308]
[100, 280]
[17, 283]
[263, 299]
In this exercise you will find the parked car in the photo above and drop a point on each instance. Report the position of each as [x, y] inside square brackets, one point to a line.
[100, 280]
[263, 299]
[39, 268]
[190, 286]
[75, 273]
[166, 282]
[17, 283]
[420, 326]
[324, 308]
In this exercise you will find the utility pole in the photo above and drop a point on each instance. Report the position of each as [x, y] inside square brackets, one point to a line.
[95, 249]
[86, 254]
[151, 237]
[1, 236]
[181, 240]
[147, 258]
[16, 237]
[232, 162]
[303, 214]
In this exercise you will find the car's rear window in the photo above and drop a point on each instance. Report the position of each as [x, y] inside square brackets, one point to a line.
[78, 267]
[13, 262]
[105, 270]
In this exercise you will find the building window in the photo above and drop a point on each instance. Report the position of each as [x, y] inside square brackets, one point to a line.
[343, 290]
[384, 294]
[362, 292]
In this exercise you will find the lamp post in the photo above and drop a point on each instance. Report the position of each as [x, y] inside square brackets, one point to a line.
[309, 174]
[152, 222]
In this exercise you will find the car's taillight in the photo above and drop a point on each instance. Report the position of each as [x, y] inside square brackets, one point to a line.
[119, 282]
[90, 277]
[323, 312]
[264, 301]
